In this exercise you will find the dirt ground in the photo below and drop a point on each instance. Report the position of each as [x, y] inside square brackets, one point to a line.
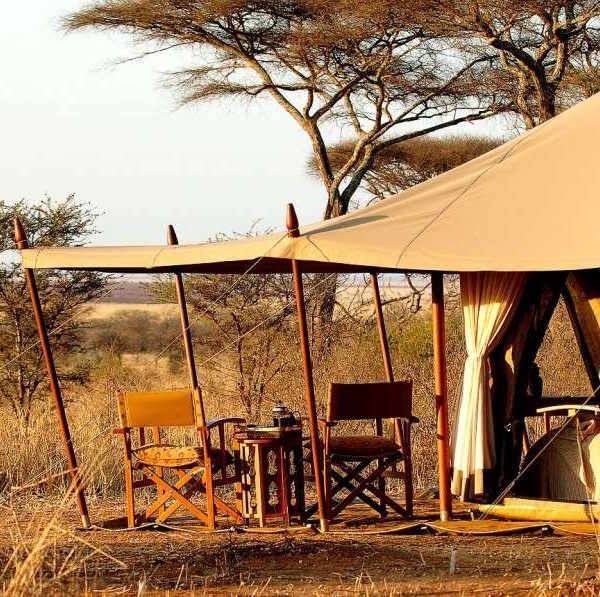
[345, 562]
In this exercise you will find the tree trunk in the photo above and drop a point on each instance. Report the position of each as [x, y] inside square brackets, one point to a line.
[547, 102]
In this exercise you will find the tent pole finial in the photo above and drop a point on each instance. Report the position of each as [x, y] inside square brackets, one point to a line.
[171, 236]
[291, 221]
[309, 386]
[59, 407]
[20, 236]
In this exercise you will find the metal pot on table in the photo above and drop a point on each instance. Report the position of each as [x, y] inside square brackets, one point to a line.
[283, 416]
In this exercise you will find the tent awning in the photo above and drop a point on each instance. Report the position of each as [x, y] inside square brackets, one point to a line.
[532, 204]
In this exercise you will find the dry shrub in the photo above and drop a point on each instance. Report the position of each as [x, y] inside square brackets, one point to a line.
[47, 557]
[353, 355]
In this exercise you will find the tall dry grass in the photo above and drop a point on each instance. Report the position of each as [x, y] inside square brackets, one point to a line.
[28, 456]
[32, 464]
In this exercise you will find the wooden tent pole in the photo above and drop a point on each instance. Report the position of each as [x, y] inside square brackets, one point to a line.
[383, 338]
[441, 393]
[393, 426]
[59, 407]
[309, 386]
[183, 316]
[385, 349]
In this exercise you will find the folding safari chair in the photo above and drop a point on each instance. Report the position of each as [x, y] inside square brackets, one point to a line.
[359, 463]
[198, 469]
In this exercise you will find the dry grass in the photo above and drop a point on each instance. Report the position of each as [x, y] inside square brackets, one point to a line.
[104, 311]
[35, 453]
[41, 553]
[52, 557]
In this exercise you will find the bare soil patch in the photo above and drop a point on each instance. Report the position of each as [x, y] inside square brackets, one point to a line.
[192, 561]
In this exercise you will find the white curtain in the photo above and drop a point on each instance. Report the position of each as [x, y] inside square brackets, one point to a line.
[489, 300]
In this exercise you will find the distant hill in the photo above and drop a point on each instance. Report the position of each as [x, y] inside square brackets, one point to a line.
[134, 292]
[128, 292]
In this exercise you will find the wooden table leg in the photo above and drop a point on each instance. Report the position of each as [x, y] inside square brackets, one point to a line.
[282, 489]
[298, 480]
[238, 486]
[261, 481]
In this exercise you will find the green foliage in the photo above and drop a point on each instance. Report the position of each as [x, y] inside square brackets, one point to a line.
[56, 223]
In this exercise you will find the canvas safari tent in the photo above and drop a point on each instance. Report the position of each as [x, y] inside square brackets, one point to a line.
[520, 226]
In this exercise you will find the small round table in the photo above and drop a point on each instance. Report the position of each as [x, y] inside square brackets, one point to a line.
[272, 474]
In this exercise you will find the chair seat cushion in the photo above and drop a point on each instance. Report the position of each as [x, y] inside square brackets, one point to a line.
[171, 456]
[362, 446]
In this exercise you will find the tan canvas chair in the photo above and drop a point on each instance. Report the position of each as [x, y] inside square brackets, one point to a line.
[198, 469]
[358, 463]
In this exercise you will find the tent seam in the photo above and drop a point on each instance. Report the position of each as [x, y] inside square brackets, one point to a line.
[468, 187]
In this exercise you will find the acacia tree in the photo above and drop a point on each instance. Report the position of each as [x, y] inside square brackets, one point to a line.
[414, 161]
[367, 66]
[252, 327]
[60, 223]
[543, 54]
[249, 330]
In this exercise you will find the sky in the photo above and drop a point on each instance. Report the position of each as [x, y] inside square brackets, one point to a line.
[71, 121]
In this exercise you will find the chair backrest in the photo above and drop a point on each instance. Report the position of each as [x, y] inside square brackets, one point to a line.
[173, 408]
[385, 400]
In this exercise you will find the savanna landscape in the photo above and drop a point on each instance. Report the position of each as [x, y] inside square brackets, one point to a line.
[335, 105]
[45, 550]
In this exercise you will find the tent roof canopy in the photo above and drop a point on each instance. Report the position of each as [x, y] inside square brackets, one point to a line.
[532, 204]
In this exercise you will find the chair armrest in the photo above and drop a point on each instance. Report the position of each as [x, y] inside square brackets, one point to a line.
[569, 408]
[223, 420]
[323, 422]
[120, 430]
[219, 424]
[411, 419]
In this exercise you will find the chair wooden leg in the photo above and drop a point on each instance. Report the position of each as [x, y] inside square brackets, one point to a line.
[407, 466]
[159, 490]
[158, 470]
[387, 499]
[363, 484]
[180, 499]
[184, 503]
[327, 470]
[197, 485]
[210, 497]
[159, 505]
[227, 509]
[381, 487]
[342, 481]
[129, 498]
[345, 482]
[128, 472]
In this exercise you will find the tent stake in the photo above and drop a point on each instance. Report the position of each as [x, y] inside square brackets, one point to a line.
[292, 226]
[183, 316]
[441, 393]
[59, 407]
